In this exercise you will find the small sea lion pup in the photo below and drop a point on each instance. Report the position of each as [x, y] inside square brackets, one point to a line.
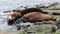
[13, 15]
[38, 16]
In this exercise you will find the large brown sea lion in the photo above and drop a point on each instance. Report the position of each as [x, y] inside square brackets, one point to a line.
[37, 16]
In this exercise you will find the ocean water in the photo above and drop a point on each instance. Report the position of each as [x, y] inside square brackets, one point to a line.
[12, 4]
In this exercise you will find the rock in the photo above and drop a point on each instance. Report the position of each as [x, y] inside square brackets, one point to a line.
[38, 23]
[54, 28]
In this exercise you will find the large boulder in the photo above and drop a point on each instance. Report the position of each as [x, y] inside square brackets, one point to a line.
[54, 6]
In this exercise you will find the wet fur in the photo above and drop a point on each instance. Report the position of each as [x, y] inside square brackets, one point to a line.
[13, 16]
[32, 10]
